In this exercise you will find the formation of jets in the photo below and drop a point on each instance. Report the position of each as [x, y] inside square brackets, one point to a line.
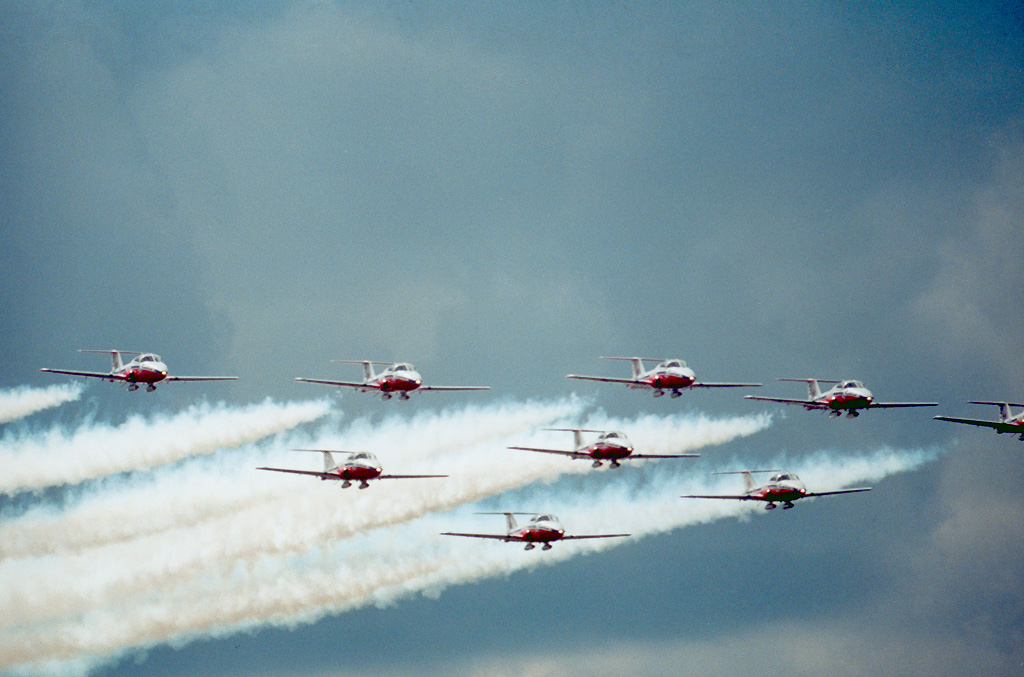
[612, 446]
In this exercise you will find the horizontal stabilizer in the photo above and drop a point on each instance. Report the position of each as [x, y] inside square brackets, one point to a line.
[807, 380]
[110, 352]
[379, 364]
[741, 472]
[642, 359]
[998, 404]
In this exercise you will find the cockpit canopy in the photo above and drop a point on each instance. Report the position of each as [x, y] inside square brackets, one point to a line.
[363, 456]
[613, 435]
[149, 357]
[851, 384]
[785, 477]
[544, 518]
[401, 366]
[673, 364]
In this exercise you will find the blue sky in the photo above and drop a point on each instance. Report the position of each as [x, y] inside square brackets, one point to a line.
[500, 194]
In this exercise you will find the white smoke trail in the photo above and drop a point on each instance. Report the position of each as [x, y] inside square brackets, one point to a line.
[21, 402]
[216, 488]
[34, 460]
[386, 564]
[306, 516]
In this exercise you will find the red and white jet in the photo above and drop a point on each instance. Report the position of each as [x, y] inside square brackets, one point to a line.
[1008, 422]
[780, 488]
[849, 396]
[400, 378]
[671, 375]
[360, 466]
[145, 369]
[610, 446]
[541, 528]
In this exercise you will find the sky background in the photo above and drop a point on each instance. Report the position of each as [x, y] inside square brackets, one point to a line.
[502, 192]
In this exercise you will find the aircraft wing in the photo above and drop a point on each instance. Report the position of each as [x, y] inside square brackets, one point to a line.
[607, 379]
[350, 384]
[321, 475]
[577, 538]
[995, 425]
[499, 537]
[201, 378]
[838, 491]
[803, 403]
[405, 477]
[553, 451]
[886, 405]
[663, 456]
[736, 497]
[93, 374]
[700, 384]
[454, 388]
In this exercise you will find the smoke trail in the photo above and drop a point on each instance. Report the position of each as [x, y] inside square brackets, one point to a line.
[21, 402]
[56, 457]
[384, 565]
[155, 503]
[306, 517]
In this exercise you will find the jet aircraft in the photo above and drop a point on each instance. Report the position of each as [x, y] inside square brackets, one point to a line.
[849, 396]
[541, 528]
[360, 466]
[145, 369]
[1007, 423]
[610, 446]
[780, 488]
[399, 377]
[672, 375]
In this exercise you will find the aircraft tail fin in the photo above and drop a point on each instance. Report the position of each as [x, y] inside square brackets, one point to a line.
[368, 374]
[577, 434]
[115, 356]
[329, 462]
[813, 391]
[1004, 408]
[636, 362]
[748, 477]
[510, 520]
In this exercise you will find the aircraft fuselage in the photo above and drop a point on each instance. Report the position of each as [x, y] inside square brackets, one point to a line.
[399, 381]
[356, 472]
[608, 451]
[670, 378]
[846, 398]
[141, 372]
[537, 534]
